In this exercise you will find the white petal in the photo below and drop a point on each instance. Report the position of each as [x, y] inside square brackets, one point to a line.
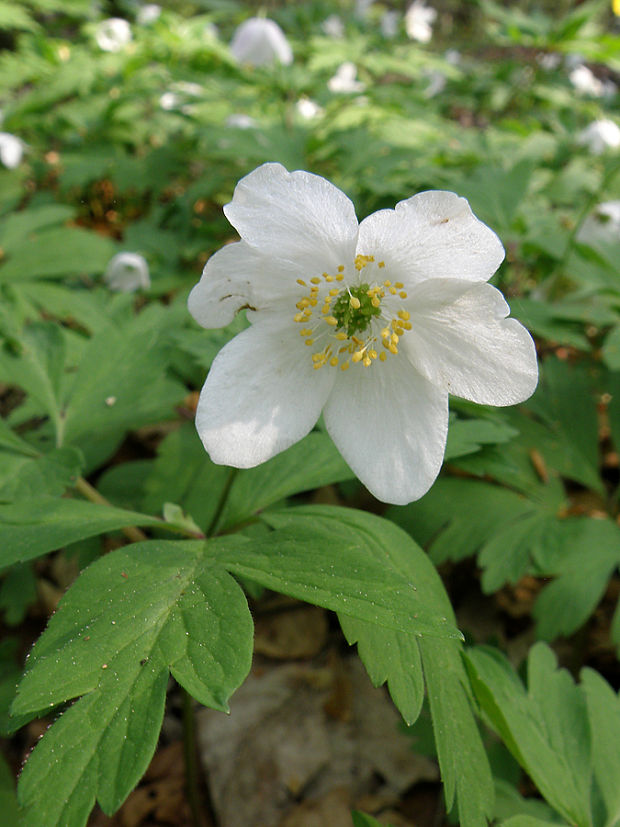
[239, 276]
[464, 343]
[261, 395]
[390, 425]
[295, 216]
[259, 42]
[432, 235]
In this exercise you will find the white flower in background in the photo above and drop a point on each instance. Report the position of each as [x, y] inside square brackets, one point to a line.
[599, 136]
[345, 79]
[148, 14]
[261, 42]
[238, 120]
[436, 79]
[602, 225]
[127, 272]
[170, 101]
[333, 26]
[113, 35]
[362, 8]
[389, 23]
[586, 82]
[419, 20]
[11, 150]
[372, 324]
[308, 109]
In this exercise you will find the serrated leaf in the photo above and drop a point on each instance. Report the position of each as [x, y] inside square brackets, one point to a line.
[590, 553]
[29, 529]
[464, 766]
[339, 558]
[545, 729]
[392, 657]
[128, 620]
[508, 531]
[604, 716]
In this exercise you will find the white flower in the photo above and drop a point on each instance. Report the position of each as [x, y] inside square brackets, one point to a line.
[362, 8]
[239, 120]
[113, 35]
[419, 21]
[586, 82]
[148, 14]
[345, 79]
[308, 109]
[260, 42]
[372, 324]
[603, 225]
[599, 136]
[11, 150]
[127, 272]
[389, 23]
[333, 26]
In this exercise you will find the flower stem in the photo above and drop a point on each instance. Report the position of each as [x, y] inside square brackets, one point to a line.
[191, 763]
[219, 509]
[90, 493]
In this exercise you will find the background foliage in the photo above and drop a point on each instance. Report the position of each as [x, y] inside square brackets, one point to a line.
[103, 479]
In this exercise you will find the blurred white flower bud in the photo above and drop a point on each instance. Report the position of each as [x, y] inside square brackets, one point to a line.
[127, 272]
[261, 42]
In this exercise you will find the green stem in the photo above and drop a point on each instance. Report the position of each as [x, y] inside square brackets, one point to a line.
[191, 763]
[86, 490]
[221, 503]
[189, 726]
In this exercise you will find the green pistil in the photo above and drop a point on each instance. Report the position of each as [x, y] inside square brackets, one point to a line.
[354, 320]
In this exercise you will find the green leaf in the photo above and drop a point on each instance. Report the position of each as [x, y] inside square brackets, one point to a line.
[604, 716]
[120, 384]
[464, 765]
[29, 529]
[459, 518]
[183, 473]
[8, 800]
[364, 820]
[466, 436]
[26, 477]
[389, 656]
[38, 368]
[56, 253]
[590, 553]
[565, 403]
[311, 463]
[16, 229]
[340, 558]
[128, 620]
[546, 729]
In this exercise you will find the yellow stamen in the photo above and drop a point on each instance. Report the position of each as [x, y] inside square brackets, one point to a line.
[354, 302]
[315, 280]
[302, 282]
[332, 320]
[344, 366]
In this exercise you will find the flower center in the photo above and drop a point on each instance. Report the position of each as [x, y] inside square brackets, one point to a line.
[358, 322]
